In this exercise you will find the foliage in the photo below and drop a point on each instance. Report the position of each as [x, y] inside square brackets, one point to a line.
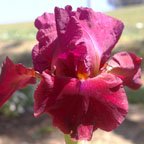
[120, 3]
[131, 16]
[20, 31]
[136, 96]
[21, 102]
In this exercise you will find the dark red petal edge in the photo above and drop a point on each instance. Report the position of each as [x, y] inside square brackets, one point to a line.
[14, 77]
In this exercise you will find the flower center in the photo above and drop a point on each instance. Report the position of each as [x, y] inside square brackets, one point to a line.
[82, 76]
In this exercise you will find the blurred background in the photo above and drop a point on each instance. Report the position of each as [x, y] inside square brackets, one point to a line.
[17, 38]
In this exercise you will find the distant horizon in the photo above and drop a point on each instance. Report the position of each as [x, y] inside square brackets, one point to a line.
[17, 11]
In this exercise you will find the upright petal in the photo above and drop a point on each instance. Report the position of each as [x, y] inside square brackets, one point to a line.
[102, 31]
[73, 57]
[78, 107]
[14, 77]
[43, 52]
[126, 66]
[86, 37]
[42, 56]
[45, 21]
[62, 17]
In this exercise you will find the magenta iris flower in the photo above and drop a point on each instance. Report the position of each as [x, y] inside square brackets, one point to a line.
[81, 87]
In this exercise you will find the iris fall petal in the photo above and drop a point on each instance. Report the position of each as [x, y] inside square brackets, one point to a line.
[79, 107]
[14, 77]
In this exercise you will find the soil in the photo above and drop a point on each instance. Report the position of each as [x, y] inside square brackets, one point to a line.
[26, 129]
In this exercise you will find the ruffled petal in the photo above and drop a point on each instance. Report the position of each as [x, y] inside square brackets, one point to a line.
[79, 107]
[126, 66]
[103, 32]
[85, 40]
[43, 94]
[42, 56]
[43, 52]
[79, 41]
[14, 77]
[62, 17]
[107, 103]
[73, 58]
[45, 21]
[48, 90]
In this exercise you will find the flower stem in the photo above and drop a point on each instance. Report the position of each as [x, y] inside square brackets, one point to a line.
[68, 140]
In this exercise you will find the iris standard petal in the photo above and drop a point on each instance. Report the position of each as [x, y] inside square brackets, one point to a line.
[69, 33]
[42, 56]
[42, 53]
[62, 17]
[103, 32]
[73, 57]
[78, 107]
[14, 77]
[85, 37]
[126, 65]
[45, 21]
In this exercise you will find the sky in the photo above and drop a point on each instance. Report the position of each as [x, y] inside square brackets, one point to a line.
[13, 11]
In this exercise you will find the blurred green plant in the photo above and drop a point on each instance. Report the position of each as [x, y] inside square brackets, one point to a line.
[132, 16]
[20, 31]
[21, 102]
[43, 130]
[136, 96]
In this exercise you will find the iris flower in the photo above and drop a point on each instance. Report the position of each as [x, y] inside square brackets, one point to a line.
[81, 87]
